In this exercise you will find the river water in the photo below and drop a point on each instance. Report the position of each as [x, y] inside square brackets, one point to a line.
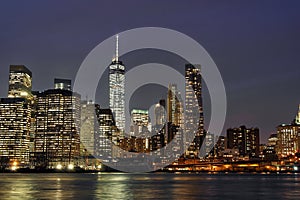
[149, 186]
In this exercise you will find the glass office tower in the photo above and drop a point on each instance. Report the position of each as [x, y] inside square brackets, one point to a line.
[117, 91]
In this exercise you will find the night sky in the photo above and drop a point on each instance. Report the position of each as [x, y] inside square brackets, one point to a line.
[255, 44]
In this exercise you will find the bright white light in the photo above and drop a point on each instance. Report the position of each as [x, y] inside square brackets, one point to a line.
[295, 168]
[24, 93]
[99, 166]
[70, 166]
[14, 168]
[59, 167]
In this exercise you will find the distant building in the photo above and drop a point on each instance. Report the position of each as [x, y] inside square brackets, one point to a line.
[270, 152]
[89, 128]
[160, 113]
[108, 136]
[174, 106]
[140, 122]
[158, 141]
[246, 140]
[15, 114]
[289, 137]
[175, 126]
[208, 145]
[63, 84]
[220, 146]
[20, 82]
[159, 128]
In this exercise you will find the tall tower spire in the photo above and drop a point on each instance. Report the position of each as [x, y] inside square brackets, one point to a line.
[117, 47]
[117, 89]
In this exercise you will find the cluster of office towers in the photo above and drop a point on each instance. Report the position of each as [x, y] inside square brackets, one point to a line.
[38, 128]
[55, 127]
[242, 143]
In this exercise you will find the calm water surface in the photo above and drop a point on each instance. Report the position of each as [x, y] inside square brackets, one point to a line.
[149, 186]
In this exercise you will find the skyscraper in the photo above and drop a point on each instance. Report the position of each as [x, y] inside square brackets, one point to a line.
[193, 103]
[175, 125]
[20, 82]
[15, 116]
[117, 90]
[57, 116]
[174, 106]
[88, 128]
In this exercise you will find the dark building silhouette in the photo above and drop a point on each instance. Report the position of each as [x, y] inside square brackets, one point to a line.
[245, 140]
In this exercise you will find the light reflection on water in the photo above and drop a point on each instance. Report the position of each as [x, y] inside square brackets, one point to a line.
[148, 186]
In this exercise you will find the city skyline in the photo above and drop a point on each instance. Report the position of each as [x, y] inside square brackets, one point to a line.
[54, 129]
[65, 84]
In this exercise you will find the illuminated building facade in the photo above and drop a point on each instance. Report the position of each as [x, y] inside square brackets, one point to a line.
[160, 113]
[20, 82]
[63, 84]
[159, 127]
[174, 106]
[175, 126]
[220, 146]
[193, 103]
[208, 143]
[246, 140]
[270, 151]
[107, 134]
[57, 139]
[117, 91]
[15, 114]
[289, 137]
[88, 128]
[139, 122]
